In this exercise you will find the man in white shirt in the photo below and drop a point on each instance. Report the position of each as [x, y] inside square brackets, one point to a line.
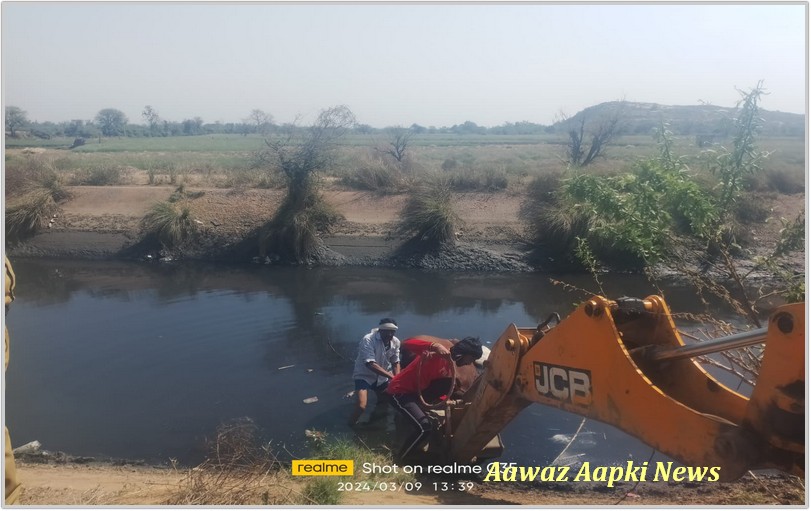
[377, 362]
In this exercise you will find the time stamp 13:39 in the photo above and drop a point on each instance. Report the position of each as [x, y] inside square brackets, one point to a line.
[408, 486]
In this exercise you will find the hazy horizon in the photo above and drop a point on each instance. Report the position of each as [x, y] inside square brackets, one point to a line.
[394, 64]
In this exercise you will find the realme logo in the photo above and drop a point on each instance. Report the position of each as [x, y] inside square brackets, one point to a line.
[323, 467]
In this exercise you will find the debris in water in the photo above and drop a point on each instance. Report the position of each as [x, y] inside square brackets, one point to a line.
[287, 367]
[29, 448]
[309, 370]
[315, 434]
[349, 394]
[311, 400]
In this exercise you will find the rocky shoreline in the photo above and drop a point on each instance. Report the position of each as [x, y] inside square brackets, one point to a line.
[103, 222]
[368, 251]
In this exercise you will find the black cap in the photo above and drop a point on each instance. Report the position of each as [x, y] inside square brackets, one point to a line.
[469, 346]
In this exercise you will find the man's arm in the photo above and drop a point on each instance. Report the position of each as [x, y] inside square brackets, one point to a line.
[419, 346]
[374, 366]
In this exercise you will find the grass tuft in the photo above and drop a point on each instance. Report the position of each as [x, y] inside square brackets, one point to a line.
[27, 213]
[293, 234]
[375, 174]
[172, 224]
[34, 190]
[428, 215]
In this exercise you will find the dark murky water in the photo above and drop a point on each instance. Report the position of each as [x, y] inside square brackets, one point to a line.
[144, 361]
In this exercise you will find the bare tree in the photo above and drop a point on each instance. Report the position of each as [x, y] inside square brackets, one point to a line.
[588, 139]
[398, 142]
[301, 155]
[260, 120]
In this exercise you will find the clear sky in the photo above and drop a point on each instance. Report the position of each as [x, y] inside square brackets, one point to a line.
[394, 64]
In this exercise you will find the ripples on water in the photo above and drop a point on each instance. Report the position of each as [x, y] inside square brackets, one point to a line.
[144, 361]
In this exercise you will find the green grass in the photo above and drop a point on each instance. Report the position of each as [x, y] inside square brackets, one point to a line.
[324, 490]
[201, 143]
[227, 160]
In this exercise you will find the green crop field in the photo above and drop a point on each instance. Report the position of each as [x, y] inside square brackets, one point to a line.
[484, 162]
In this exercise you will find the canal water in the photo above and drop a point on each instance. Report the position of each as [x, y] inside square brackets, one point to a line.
[146, 360]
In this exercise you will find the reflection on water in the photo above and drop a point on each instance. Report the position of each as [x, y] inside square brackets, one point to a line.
[146, 360]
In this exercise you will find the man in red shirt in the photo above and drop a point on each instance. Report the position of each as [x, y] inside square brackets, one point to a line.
[432, 363]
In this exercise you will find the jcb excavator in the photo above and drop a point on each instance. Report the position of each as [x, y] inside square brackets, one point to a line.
[624, 363]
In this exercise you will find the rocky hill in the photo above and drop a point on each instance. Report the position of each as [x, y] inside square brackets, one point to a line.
[699, 120]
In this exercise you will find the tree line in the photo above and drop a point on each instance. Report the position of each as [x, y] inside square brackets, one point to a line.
[709, 123]
[111, 122]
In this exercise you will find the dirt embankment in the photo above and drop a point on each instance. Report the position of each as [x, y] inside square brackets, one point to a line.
[103, 221]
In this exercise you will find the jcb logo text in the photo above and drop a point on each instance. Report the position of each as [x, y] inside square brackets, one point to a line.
[563, 383]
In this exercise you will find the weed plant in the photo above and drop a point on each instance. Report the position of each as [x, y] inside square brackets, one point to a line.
[239, 470]
[294, 232]
[323, 490]
[34, 190]
[428, 215]
[98, 175]
[474, 180]
[375, 174]
[170, 223]
[25, 214]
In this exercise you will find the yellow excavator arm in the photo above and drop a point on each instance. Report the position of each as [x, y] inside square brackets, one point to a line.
[624, 363]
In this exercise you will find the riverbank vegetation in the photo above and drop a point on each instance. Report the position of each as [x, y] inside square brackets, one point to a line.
[428, 216]
[700, 179]
[293, 233]
[33, 195]
[243, 469]
[664, 213]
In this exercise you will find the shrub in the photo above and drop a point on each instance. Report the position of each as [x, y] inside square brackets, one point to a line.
[239, 470]
[171, 224]
[470, 180]
[428, 215]
[449, 164]
[750, 210]
[27, 213]
[33, 190]
[293, 233]
[375, 175]
[31, 172]
[98, 175]
[323, 490]
[625, 220]
[785, 181]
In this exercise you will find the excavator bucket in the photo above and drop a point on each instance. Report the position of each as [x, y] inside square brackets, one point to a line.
[625, 364]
